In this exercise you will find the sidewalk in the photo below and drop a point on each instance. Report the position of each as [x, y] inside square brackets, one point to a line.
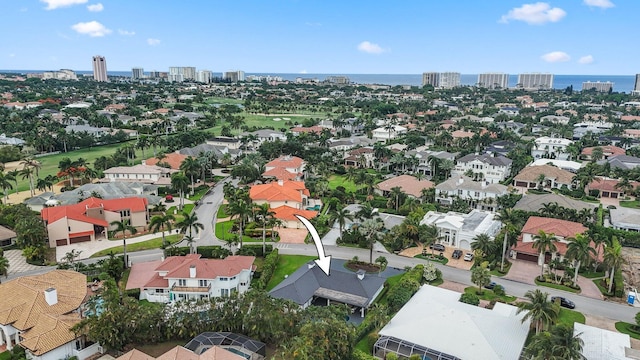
[18, 263]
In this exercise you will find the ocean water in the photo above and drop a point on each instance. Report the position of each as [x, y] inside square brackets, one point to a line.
[621, 83]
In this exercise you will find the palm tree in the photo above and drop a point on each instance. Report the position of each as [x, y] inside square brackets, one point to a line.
[539, 310]
[13, 176]
[510, 222]
[124, 226]
[484, 244]
[5, 183]
[371, 230]
[341, 214]
[579, 250]
[4, 266]
[428, 236]
[613, 259]
[191, 167]
[559, 343]
[27, 173]
[544, 243]
[241, 209]
[189, 223]
[396, 194]
[180, 183]
[160, 223]
[264, 213]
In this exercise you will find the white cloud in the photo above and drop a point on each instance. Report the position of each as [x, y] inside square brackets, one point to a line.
[370, 48]
[126, 32]
[534, 14]
[153, 42]
[303, 72]
[12, 55]
[91, 28]
[588, 59]
[95, 7]
[604, 4]
[54, 4]
[556, 56]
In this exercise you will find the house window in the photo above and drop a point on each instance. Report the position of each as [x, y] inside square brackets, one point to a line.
[243, 284]
[125, 213]
[159, 291]
[182, 282]
[224, 292]
[224, 279]
[459, 192]
[203, 283]
[477, 194]
[232, 278]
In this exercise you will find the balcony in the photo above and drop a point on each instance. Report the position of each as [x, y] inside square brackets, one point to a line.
[191, 289]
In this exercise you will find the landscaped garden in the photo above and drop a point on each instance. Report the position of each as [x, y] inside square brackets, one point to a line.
[155, 243]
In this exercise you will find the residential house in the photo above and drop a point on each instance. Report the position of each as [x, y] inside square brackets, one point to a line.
[287, 215]
[360, 158]
[6, 140]
[265, 135]
[225, 141]
[554, 178]
[607, 151]
[551, 148]
[311, 129]
[346, 144]
[246, 347]
[219, 152]
[90, 219]
[211, 353]
[409, 185]
[607, 188]
[278, 193]
[514, 126]
[509, 111]
[148, 174]
[424, 160]
[191, 278]
[492, 169]
[535, 202]
[460, 230]
[601, 344]
[173, 160]
[561, 229]
[631, 133]
[37, 312]
[556, 119]
[7, 237]
[285, 167]
[388, 132]
[624, 162]
[456, 331]
[571, 166]
[500, 147]
[310, 285]
[479, 194]
[625, 219]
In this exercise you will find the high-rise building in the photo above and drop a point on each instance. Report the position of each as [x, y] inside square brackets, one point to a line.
[182, 73]
[204, 76]
[99, 68]
[449, 80]
[63, 74]
[431, 78]
[636, 88]
[234, 75]
[338, 80]
[599, 86]
[137, 73]
[535, 81]
[493, 80]
[154, 74]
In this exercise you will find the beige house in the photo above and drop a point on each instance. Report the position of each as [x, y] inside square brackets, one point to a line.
[148, 174]
[89, 220]
[285, 168]
[554, 177]
[281, 193]
[409, 185]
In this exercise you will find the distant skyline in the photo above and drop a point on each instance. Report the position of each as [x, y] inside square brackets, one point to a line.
[584, 37]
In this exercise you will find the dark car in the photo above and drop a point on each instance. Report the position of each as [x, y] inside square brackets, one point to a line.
[564, 302]
[456, 254]
[437, 247]
[491, 285]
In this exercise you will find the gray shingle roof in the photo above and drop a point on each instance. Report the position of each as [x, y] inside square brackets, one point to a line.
[531, 202]
[486, 158]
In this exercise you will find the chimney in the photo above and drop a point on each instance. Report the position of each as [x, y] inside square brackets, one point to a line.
[460, 180]
[192, 271]
[51, 296]
[360, 274]
[280, 182]
[311, 264]
[484, 184]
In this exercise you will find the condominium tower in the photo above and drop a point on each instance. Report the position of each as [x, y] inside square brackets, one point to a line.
[598, 86]
[444, 80]
[493, 80]
[535, 81]
[431, 78]
[234, 75]
[636, 88]
[204, 76]
[137, 73]
[99, 68]
[182, 73]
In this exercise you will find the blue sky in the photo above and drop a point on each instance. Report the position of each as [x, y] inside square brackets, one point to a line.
[324, 36]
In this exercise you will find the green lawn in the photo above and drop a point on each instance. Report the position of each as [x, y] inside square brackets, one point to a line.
[568, 317]
[6, 355]
[341, 180]
[623, 327]
[144, 245]
[437, 259]
[634, 204]
[592, 275]
[198, 194]
[223, 231]
[489, 295]
[287, 264]
[222, 212]
[556, 286]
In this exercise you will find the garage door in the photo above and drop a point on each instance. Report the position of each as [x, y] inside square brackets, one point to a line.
[80, 239]
[527, 257]
[61, 242]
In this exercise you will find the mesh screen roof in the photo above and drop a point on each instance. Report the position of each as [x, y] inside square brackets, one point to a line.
[387, 344]
[204, 341]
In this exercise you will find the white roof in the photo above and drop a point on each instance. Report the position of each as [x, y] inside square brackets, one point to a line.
[562, 164]
[434, 318]
[602, 344]
[550, 140]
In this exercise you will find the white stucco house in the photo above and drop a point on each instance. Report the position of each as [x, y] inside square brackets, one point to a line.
[459, 230]
[387, 133]
[485, 167]
[551, 148]
[479, 194]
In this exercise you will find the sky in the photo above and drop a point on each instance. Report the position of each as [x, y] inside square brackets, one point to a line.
[581, 37]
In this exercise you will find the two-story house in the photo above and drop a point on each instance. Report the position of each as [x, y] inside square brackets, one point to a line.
[147, 174]
[191, 278]
[491, 169]
[479, 194]
[546, 147]
[460, 230]
[285, 167]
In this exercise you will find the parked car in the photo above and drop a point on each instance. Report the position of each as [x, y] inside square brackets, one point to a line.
[564, 302]
[491, 285]
[456, 254]
[437, 247]
[468, 257]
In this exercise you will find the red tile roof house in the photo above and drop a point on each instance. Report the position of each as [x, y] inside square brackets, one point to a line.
[191, 278]
[408, 184]
[607, 188]
[607, 151]
[285, 168]
[87, 220]
[561, 229]
[286, 199]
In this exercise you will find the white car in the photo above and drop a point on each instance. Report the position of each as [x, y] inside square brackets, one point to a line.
[468, 257]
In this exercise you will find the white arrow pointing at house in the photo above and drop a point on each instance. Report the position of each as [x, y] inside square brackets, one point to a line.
[324, 262]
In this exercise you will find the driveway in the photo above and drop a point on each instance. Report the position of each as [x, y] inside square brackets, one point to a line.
[523, 271]
[18, 263]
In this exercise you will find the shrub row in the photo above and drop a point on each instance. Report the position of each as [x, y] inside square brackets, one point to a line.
[618, 283]
[268, 268]
[401, 292]
[254, 250]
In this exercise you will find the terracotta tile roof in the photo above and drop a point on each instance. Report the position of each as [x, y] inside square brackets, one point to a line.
[531, 173]
[173, 159]
[288, 213]
[561, 247]
[288, 191]
[135, 354]
[23, 298]
[182, 353]
[558, 227]
[607, 150]
[280, 174]
[78, 211]
[409, 185]
[312, 129]
[141, 273]
[608, 184]
[285, 162]
[50, 332]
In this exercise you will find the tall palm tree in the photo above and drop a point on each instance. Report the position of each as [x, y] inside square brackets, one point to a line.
[124, 226]
[240, 209]
[559, 343]
[396, 194]
[579, 250]
[484, 244]
[180, 183]
[160, 223]
[371, 230]
[613, 259]
[341, 214]
[13, 176]
[429, 235]
[264, 214]
[5, 183]
[510, 224]
[544, 243]
[27, 173]
[542, 312]
[191, 168]
[190, 224]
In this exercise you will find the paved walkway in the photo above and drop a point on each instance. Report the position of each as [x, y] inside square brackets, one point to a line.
[17, 262]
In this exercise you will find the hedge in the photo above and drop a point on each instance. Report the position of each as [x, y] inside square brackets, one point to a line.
[213, 252]
[401, 293]
[268, 268]
[254, 250]
[618, 282]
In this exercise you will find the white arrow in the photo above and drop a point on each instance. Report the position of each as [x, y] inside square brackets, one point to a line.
[324, 262]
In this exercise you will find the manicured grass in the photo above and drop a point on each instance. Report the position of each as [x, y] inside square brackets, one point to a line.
[557, 286]
[437, 259]
[634, 204]
[222, 212]
[223, 231]
[287, 264]
[496, 271]
[341, 180]
[623, 327]
[602, 289]
[198, 194]
[592, 275]
[6, 355]
[568, 317]
[144, 245]
[489, 295]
